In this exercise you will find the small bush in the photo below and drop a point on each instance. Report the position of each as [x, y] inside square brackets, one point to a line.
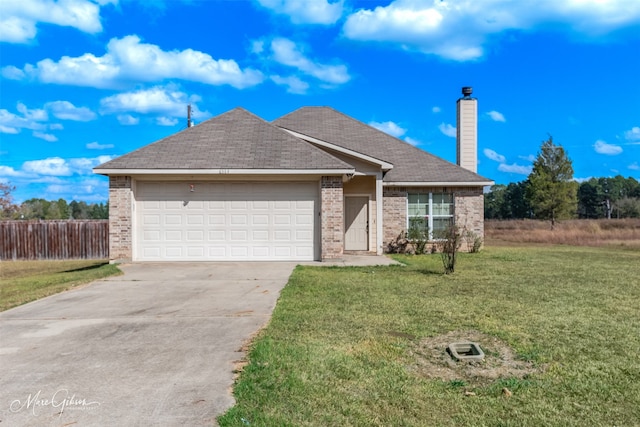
[473, 241]
[448, 243]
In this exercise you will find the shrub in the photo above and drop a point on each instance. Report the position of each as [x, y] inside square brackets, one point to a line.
[449, 241]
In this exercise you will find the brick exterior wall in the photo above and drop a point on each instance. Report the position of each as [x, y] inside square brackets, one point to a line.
[120, 222]
[469, 211]
[332, 217]
[468, 205]
[394, 214]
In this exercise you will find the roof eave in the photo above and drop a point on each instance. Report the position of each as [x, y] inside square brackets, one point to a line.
[385, 166]
[437, 183]
[221, 171]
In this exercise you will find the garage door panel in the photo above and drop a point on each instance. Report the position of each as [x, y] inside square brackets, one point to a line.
[260, 235]
[153, 219]
[217, 235]
[195, 219]
[173, 235]
[282, 235]
[226, 221]
[217, 219]
[174, 252]
[237, 219]
[172, 219]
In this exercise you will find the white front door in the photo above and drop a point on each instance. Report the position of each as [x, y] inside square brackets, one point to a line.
[356, 237]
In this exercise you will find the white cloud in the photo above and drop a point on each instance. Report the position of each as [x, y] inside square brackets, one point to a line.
[448, 129]
[55, 166]
[46, 136]
[128, 120]
[389, 128]
[12, 123]
[287, 53]
[412, 141]
[33, 118]
[531, 158]
[8, 171]
[632, 134]
[161, 100]
[634, 166]
[496, 116]
[436, 109]
[459, 30]
[602, 147]
[19, 18]
[35, 114]
[64, 110]
[307, 12]
[515, 168]
[293, 84]
[97, 146]
[166, 121]
[490, 154]
[129, 61]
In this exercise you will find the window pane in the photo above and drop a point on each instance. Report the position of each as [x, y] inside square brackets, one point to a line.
[418, 204]
[440, 225]
[443, 204]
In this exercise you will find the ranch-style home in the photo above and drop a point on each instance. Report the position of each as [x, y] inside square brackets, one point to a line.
[312, 185]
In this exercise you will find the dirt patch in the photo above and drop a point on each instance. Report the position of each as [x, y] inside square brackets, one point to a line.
[433, 361]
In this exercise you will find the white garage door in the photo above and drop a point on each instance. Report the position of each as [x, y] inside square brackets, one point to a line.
[225, 221]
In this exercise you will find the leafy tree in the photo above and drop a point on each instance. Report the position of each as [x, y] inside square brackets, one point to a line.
[507, 201]
[7, 208]
[99, 211]
[494, 202]
[628, 207]
[552, 192]
[590, 199]
[516, 204]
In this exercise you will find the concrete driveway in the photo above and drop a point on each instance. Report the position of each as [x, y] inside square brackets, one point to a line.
[153, 347]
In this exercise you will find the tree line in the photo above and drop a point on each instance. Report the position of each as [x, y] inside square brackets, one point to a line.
[37, 208]
[551, 193]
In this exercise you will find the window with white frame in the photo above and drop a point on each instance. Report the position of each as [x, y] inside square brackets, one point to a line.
[432, 210]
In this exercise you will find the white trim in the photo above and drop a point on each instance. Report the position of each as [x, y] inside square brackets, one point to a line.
[438, 184]
[379, 214]
[223, 171]
[384, 165]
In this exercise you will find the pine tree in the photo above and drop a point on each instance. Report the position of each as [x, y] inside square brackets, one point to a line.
[552, 192]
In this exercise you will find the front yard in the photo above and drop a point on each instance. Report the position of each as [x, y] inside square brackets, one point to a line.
[560, 327]
[25, 281]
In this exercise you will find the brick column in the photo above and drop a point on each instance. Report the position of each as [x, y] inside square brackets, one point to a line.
[332, 216]
[120, 222]
[469, 211]
[394, 213]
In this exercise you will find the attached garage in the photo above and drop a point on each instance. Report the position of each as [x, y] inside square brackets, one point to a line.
[226, 221]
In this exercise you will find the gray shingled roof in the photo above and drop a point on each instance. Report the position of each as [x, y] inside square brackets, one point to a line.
[236, 139]
[410, 164]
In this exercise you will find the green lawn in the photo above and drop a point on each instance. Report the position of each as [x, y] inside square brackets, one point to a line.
[25, 281]
[357, 346]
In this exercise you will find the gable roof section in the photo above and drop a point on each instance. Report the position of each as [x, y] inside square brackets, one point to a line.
[410, 164]
[235, 140]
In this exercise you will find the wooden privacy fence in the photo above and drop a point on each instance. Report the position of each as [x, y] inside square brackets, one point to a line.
[54, 239]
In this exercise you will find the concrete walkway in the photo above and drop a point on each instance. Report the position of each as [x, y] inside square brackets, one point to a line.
[154, 347]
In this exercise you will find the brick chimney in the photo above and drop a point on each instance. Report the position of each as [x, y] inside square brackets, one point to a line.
[467, 130]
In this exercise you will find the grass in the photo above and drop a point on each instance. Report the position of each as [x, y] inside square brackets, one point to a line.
[623, 233]
[344, 345]
[25, 281]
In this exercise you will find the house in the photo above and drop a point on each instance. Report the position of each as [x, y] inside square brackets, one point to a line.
[310, 185]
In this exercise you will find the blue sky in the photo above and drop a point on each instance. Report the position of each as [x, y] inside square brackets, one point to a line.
[83, 81]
